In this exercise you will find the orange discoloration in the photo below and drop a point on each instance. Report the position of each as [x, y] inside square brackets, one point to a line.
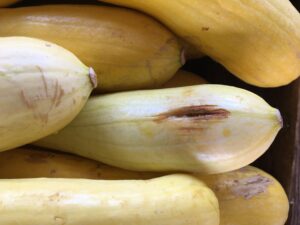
[226, 132]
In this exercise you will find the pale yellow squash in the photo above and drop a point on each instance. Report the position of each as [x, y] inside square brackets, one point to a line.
[202, 128]
[42, 89]
[247, 196]
[174, 199]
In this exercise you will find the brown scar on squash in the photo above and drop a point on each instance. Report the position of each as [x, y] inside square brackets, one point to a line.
[248, 187]
[196, 113]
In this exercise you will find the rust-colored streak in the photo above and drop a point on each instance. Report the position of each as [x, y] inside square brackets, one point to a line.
[28, 104]
[59, 97]
[201, 112]
[58, 94]
[43, 80]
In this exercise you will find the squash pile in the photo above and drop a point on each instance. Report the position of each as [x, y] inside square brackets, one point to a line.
[99, 124]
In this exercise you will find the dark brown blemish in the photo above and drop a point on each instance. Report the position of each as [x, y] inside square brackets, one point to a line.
[205, 28]
[201, 112]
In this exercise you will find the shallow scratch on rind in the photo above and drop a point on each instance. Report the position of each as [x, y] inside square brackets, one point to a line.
[59, 97]
[44, 80]
[25, 100]
[55, 92]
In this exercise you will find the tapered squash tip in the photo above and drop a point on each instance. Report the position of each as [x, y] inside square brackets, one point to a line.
[280, 120]
[182, 57]
[93, 77]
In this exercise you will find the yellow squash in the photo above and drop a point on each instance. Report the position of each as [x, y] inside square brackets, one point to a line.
[258, 41]
[127, 49]
[174, 199]
[42, 88]
[32, 162]
[4, 3]
[183, 78]
[249, 196]
[204, 128]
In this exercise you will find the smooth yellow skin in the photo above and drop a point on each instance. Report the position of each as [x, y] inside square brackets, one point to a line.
[4, 3]
[174, 199]
[128, 50]
[202, 128]
[32, 162]
[184, 78]
[258, 41]
[42, 88]
[249, 196]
